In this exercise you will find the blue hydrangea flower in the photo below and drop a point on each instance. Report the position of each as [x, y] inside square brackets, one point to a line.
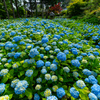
[44, 44]
[39, 80]
[74, 93]
[66, 52]
[80, 84]
[61, 56]
[17, 38]
[64, 41]
[60, 92]
[53, 67]
[98, 96]
[54, 62]
[75, 74]
[3, 72]
[96, 53]
[33, 53]
[86, 72]
[62, 34]
[30, 61]
[75, 63]
[8, 45]
[84, 54]
[95, 89]
[94, 73]
[12, 33]
[47, 48]
[86, 80]
[57, 36]
[92, 96]
[29, 73]
[92, 79]
[36, 96]
[17, 55]
[47, 92]
[3, 34]
[74, 51]
[39, 63]
[53, 43]
[57, 50]
[79, 58]
[52, 98]
[47, 63]
[9, 60]
[2, 87]
[45, 40]
[66, 69]
[21, 87]
[14, 82]
[43, 71]
[28, 44]
[41, 55]
[60, 42]
[95, 38]
[47, 76]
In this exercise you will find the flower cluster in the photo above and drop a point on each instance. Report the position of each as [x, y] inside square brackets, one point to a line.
[29, 73]
[2, 87]
[3, 72]
[19, 86]
[33, 53]
[6, 97]
[42, 59]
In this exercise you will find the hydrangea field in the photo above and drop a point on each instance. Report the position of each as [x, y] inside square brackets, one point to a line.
[42, 59]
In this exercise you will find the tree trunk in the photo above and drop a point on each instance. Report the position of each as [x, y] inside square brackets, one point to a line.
[47, 13]
[36, 8]
[25, 9]
[12, 8]
[6, 8]
[42, 10]
[17, 8]
[31, 7]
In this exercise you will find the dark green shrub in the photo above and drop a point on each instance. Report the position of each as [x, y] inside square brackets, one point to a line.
[75, 9]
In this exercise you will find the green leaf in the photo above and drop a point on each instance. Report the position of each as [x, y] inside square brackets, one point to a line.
[11, 72]
[35, 73]
[4, 79]
[25, 65]
[10, 96]
[44, 81]
[64, 86]
[21, 73]
[43, 98]
[21, 95]
[42, 94]
[28, 93]
[72, 98]
[98, 78]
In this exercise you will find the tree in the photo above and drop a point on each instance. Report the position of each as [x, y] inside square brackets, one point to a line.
[6, 8]
[42, 4]
[24, 2]
[16, 4]
[36, 7]
[30, 1]
[12, 8]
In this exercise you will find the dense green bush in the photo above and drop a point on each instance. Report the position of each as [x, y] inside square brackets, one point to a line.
[91, 19]
[2, 11]
[63, 12]
[21, 12]
[74, 9]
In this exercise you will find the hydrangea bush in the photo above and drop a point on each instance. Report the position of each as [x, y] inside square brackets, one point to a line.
[43, 59]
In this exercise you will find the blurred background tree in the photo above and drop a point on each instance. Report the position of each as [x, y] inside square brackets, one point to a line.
[85, 10]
